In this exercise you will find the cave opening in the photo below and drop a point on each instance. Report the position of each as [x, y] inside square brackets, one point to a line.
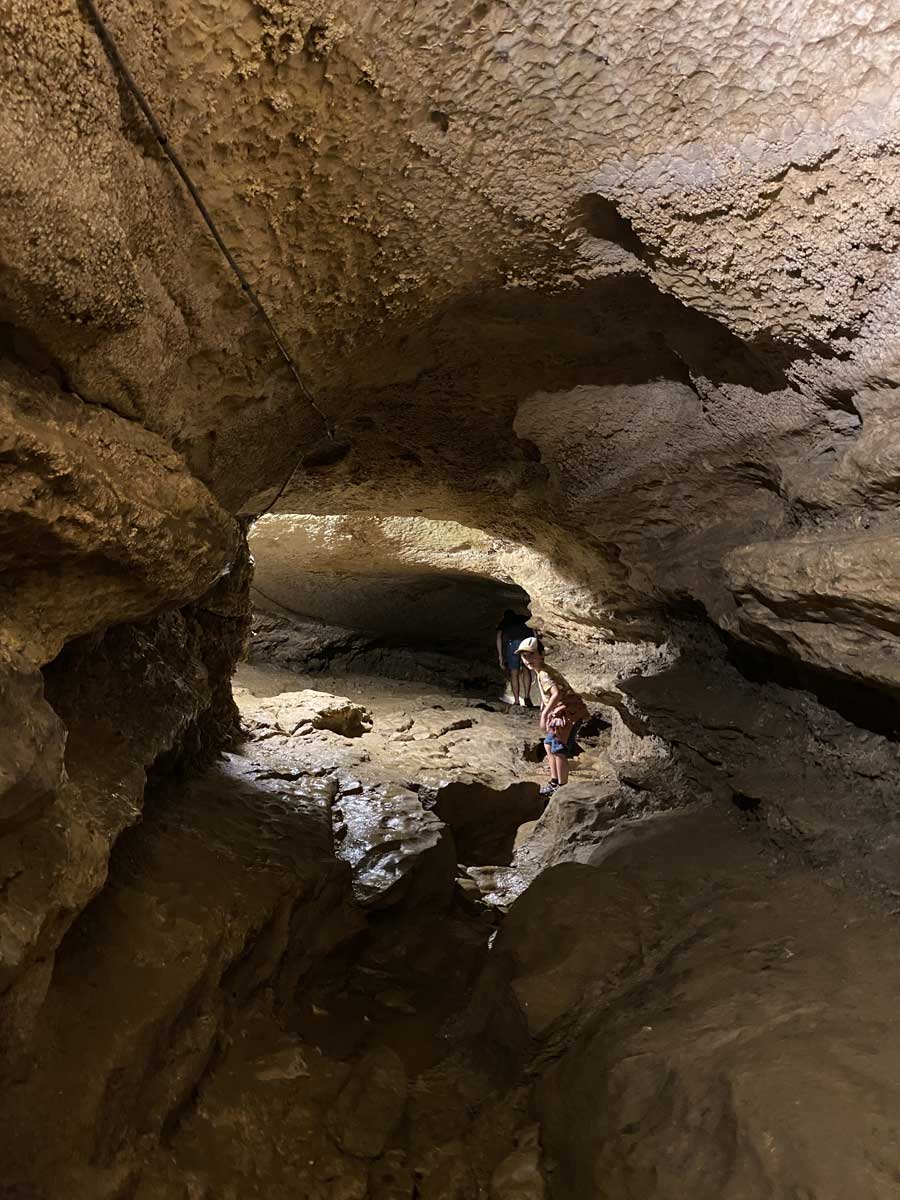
[398, 598]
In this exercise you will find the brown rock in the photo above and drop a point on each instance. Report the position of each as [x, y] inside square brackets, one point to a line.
[31, 753]
[518, 1176]
[370, 1106]
[294, 713]
[101, 520]
[397, 850]
[833, 601]
[391, 1178]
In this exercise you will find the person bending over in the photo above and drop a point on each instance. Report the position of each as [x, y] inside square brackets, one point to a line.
[562, 711]
[510, 632]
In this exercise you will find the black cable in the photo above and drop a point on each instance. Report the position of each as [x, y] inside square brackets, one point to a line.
[118, 63]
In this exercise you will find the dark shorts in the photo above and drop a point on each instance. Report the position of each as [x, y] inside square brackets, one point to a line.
[511, 657]
[566, 749]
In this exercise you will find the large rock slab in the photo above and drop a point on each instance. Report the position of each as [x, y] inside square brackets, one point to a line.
[293, 714]
[397, 849]
[370, 1105]
[734, 1041]
[101, 521]
[832, 600]
[149, 695]
[228, 887]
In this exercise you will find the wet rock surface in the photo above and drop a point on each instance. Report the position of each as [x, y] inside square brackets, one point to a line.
[297, 993]
[396, 849]
[738, 1051]
[227, 888]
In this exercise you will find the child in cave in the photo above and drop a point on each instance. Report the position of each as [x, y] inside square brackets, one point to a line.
[562, 711]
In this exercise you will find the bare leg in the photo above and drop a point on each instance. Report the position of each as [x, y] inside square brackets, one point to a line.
[527, 680]
[514, 683]
[561, 768]
[551, 760]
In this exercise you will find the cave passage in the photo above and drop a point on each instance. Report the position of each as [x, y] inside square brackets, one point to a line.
[454, 614]
[397, 598]
[328, 333]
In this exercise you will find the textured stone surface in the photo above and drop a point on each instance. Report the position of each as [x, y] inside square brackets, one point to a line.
[408, 583]
[297, 713]
[101, 521]
[831, 600]
[625, 363]
[395, 847]
[404, 581]
[730, 1046]
[227, 887]
[370, 1105]
[680, 441]
[139, 696]
[604, 305]
[34, 741]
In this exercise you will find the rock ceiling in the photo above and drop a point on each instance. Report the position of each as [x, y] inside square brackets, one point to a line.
[616, 285]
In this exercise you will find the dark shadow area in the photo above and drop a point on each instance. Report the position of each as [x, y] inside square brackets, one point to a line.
[438, 627]
[439, 611]
[599, 218]
[746, 804]
[867, 707]
[484, 820]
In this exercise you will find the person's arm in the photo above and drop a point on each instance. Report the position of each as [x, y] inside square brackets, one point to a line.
[500, 648]
[549, 700]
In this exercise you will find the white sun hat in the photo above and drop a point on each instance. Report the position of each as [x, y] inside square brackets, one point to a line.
[528, 644]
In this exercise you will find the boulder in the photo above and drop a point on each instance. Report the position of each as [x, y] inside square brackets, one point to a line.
[831, 600]
[397, 849]
[294, 714]
[370, 1105]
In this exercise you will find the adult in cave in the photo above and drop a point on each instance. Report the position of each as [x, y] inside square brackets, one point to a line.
[562, 711]
[512, 630]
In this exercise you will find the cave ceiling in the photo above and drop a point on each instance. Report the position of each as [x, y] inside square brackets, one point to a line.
[616, 285]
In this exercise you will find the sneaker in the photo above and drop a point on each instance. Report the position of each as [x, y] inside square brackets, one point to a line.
[549, 788]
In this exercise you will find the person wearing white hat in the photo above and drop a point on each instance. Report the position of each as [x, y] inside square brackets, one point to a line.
[562, 711]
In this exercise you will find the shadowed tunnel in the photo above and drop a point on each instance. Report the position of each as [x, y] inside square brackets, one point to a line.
[419, 590]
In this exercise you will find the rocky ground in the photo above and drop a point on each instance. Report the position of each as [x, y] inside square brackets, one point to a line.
[475, 761]
[423, 736]
[296, 983]
[649, 1019]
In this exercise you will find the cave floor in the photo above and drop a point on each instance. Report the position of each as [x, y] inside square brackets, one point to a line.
[422, 734]
[291, 986]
